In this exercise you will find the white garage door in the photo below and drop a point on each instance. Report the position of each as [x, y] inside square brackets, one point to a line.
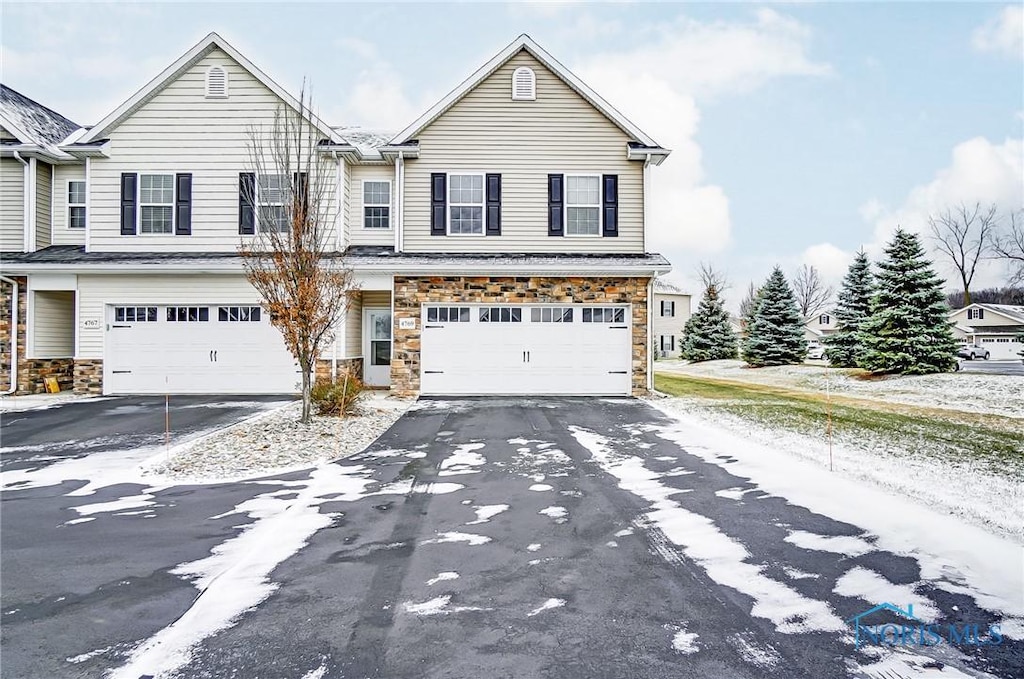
[195, 349]
[1000, 348]
[520, 349]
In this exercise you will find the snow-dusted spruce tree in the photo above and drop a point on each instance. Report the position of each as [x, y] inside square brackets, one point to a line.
[707, 335]
[852, 310]
[775, 335]
[908, 331]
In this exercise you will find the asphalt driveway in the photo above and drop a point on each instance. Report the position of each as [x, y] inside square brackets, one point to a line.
[476, 538]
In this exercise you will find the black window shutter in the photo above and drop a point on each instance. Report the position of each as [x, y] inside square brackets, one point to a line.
[246, 205]
[672, 309]
[183, 204]
[493, 204]
[438, 204]
[555, 202]
[302, 189]
[128, 183]
[610, 204]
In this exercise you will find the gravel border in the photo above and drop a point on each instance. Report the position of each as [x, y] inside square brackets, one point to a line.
[275, 442]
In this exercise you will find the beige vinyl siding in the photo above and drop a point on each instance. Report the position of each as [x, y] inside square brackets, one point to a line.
[524, 141]
[53, 324]
[354, 328]
[12, 205]
[180, 130]
[5, 135]
[992, 319]
[62, 174]
[357, 234]
[44, 199]
[95, 292]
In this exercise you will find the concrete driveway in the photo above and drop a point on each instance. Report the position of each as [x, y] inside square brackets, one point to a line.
[563, 538]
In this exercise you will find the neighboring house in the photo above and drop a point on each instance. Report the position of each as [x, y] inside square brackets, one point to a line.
[994, 327]
[499, 241]
[819, 326]
[671, 311]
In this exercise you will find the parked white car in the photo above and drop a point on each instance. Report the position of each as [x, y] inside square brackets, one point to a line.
[972, 351]
[816, 352]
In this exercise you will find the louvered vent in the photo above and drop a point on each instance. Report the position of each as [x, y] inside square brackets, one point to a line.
[216, 83]
[524, 84]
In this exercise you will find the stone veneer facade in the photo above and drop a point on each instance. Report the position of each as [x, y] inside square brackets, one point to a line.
[411, 292]
[353, 366]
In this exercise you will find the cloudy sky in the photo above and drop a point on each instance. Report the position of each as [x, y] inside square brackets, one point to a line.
[801, 131]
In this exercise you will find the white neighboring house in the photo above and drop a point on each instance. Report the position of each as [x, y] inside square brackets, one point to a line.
[499, 241]
[819, 326]
[671, 311]
[993, 327]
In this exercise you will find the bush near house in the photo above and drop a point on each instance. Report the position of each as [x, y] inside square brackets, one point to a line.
[337, 397]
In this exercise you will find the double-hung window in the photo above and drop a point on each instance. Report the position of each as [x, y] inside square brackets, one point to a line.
[975, 314]
[76, 205]
[156, 203]
[377, 205]
[465, 204]
[270, 197]
[582, 205]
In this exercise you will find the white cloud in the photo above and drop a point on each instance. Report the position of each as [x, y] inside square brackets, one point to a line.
[377, 98]
[1003, 34]
[831, 262]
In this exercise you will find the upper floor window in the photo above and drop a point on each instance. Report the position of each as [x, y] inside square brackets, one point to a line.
[975, 314]
[76, 205]
[582, 205]
[377, 205]
[668, 308]
[156, 203]
[270, 197]
[524, 84]
[466, 204]
[216, 83]
[824, 319]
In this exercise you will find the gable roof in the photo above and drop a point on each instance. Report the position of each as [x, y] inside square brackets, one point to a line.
[524, 42]
[32, 123]
[185, 62]
[1011, 312]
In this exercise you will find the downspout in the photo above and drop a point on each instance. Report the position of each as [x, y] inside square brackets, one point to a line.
[26, 201]
[650, 334]
[646, 185]
[14, 334]
[339, 243]
[399, 200]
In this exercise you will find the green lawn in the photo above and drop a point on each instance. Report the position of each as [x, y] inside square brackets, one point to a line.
[995, 442]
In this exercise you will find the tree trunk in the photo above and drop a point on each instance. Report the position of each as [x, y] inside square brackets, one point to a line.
[307, 400]
[967, 295]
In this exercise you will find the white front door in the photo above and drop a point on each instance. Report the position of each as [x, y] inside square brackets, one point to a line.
[377, 347]
[526, 349]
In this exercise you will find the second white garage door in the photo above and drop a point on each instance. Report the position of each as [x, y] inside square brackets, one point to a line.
[1001, 348]
[195, 349]
[521, 349]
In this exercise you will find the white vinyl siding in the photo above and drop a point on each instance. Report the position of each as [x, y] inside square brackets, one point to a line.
[559, 133]
[95, 292]
[354, 328]
[12, 197]
[62, 174]
[44, 196]
[357, 235]
[670, 326]
[53, 324]
[180, 130]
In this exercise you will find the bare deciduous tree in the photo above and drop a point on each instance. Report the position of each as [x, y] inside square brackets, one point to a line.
[811, 293]
[1009, 246]
[964, 234]
[287, 209]
[710, 277]
[747, 305]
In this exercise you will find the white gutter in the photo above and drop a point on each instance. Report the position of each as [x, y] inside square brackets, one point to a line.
[14, 335]
[25, 198]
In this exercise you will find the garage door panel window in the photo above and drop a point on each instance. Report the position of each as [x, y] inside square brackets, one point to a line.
[551, 315]
[239, 314]
[135, 314]
[156, 203]
[448, 314]
[604, 315]
[501, 315]
[188, 314]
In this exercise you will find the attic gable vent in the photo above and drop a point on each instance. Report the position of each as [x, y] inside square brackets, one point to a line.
[524, 84]
[216, 83]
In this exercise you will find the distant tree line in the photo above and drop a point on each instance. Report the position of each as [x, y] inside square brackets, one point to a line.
[1007, 295]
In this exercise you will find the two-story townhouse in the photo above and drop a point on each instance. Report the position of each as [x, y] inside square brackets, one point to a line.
[671, 310]
[499, 241]
[994, 327]
[820, 326]
[37, 183]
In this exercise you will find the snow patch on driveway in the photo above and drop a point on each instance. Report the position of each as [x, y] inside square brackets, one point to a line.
[443, 576]
[540, 487]
[546, 606]
[683, 641]
[557, 513]
[724, 559]
[485, 513]
[455, 536]
[870, 586]
[463, 460]
[438, 606]
[837, 544]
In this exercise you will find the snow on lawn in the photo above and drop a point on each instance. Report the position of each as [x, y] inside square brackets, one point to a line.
[952, 554]
[966, 392]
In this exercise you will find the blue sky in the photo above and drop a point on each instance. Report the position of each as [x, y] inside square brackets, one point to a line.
[801, 132]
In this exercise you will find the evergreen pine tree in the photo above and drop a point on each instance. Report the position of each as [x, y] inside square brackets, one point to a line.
[775, 334]
[908, 331]
[853, 309]
[707, 335]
